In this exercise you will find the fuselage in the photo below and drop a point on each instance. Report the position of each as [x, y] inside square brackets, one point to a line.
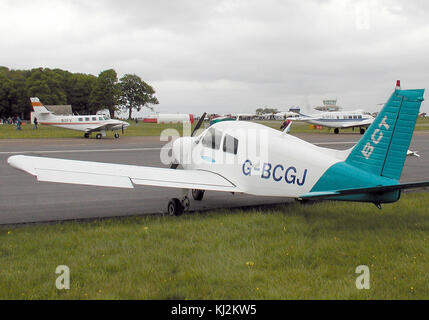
[257, 159]
[338, 119]
[88, 123]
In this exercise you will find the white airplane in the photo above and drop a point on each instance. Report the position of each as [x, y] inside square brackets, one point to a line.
[338, 119]
[282, 115]
[219, 160]
[88, 123]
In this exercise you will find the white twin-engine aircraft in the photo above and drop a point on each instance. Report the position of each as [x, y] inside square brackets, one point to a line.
[218, 160]
[88, 124]
[338, 120]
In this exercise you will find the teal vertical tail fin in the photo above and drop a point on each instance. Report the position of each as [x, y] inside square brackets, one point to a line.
[383, 148]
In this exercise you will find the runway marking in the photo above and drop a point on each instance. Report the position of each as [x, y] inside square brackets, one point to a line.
[129, 149]
[80, 151]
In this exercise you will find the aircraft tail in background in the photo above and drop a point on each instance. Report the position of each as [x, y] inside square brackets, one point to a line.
[38, 107]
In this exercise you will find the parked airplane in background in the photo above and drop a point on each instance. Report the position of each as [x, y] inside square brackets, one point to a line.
[368, 172]
[338, 119]
[88, 123]
[282, 115]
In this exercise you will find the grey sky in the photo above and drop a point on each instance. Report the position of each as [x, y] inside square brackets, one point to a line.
[229, 56]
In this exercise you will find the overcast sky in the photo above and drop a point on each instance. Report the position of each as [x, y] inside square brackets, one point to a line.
[229, 56]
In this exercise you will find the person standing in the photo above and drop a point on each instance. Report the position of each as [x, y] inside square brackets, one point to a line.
[35, 124]
[18, 123]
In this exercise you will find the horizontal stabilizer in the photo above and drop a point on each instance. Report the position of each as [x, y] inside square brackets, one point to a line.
[379, 189]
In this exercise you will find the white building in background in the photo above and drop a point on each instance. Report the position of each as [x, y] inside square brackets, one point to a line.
[329, 105]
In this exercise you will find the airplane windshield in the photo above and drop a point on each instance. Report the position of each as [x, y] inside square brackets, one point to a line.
[212, 139]
[106, 117]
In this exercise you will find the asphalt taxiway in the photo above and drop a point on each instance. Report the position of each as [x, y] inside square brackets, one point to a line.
[25, 200]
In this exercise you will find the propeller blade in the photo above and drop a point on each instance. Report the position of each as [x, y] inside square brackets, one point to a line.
[200, 122]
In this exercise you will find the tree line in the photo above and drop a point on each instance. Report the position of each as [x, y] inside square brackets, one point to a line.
[86, 93]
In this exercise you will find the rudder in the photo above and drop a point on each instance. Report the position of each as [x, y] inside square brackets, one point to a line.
[383, 148]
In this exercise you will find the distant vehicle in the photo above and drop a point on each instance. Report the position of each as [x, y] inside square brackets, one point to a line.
[219, 160]
[338, 120]
[88, 123]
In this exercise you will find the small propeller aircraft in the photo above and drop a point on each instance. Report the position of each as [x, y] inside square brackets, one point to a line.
[219, 159]
[88, 124]
[338, 120]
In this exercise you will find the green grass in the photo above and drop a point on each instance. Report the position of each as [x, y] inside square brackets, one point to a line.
[287, 252]
[151, 129]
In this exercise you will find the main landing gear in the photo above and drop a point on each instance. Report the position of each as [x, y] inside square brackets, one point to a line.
[176, 206]
[86, 135]
[362, 130]
[336, 131]
[116, 135]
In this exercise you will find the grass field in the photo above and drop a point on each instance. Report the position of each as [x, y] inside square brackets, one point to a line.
[151, 129]
[286, 252]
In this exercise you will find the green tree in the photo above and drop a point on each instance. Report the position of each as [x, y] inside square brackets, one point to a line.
[106, 92]
[135, 93]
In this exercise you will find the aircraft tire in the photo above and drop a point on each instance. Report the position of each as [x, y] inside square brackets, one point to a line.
[174, 207]
[98, 135]
[362, 130]
[116, 135]
[197, 194]
[86, 135]
[336, 131]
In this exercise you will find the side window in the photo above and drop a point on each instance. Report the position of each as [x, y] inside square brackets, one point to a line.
[212, 139]
[80, 119]
[230, 144]
[94, 118]
[87, 119]
[100, 118]
[360, 117]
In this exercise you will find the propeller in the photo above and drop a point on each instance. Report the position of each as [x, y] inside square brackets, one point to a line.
[199, 123]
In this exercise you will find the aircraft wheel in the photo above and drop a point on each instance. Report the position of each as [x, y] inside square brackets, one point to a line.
[116, 135]
[86, 135]
[337, 131]
[98, 136]
[362, 130]
[174, 207]
[197, 194]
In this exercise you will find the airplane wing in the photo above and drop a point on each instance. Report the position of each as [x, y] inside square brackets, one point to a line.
[355, 124]
[107, 126]
[336, 193]
[118, 175]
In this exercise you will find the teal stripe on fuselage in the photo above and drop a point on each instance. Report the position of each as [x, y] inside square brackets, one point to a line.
[343, 175]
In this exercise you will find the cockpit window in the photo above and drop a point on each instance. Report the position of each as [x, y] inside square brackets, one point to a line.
[230, 144]
[212, 139]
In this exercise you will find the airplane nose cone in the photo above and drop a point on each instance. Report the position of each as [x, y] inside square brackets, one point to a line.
[181, 150]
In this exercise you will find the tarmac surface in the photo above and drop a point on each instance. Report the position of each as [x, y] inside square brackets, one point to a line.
[25, 200]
